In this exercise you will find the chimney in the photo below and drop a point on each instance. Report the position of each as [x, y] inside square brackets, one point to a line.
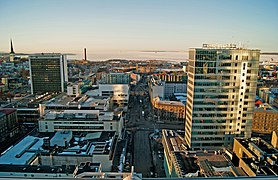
[85, 54]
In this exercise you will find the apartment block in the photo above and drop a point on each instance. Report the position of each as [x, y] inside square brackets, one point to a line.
[221, 91]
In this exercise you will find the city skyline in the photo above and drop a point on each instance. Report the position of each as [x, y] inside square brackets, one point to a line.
[115, 29]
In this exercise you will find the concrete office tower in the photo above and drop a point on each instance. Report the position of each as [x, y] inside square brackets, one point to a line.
[12, 53]
[48, 72]
[220, 95]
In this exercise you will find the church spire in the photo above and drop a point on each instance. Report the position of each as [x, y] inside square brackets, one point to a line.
[12, 48]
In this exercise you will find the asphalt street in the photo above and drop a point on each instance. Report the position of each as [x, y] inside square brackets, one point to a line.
[141, 125]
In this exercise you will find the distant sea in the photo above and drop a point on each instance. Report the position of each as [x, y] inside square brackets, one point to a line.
[173, 56]
[178, 56]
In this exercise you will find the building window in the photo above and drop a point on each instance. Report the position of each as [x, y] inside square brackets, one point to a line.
[245, 58]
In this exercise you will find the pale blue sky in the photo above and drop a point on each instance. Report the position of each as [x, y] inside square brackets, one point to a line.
[127, 25]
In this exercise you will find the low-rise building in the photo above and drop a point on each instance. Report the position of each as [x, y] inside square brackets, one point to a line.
[169, 76]
[255, 157]
[265, 119]
[30, 107]
[156, 88]
[8, 123]
[274, 139]
[115, 78]
[174, 87]
[169, 109]
[119, 93]
[95, 147]
[81, 102]
[41, 172]
[181, 162]
[81, 121]
[73, 90]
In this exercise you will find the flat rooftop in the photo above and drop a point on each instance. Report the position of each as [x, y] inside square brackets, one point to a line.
[209, 162]
[83, 144]
[83, 101]
[174, 103]
[31, 101]
[82, 115]
[260, 143]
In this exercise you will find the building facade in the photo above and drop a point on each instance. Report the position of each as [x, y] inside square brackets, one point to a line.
[119, 93]
[48, 72]
[115, 78]
[172, 110]
[8, 123]
[221, 91]
[265, 120]
[81, 121]
[174, 87]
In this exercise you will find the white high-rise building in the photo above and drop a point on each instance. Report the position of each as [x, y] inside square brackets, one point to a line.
[221, 92]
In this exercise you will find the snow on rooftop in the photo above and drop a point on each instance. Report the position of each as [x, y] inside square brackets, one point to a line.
[22, 152]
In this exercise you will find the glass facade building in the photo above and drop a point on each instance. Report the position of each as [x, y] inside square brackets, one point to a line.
[221, 92]
[48, 72]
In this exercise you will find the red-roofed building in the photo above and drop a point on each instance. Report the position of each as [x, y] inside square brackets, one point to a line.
[258, 103]
[8, 123]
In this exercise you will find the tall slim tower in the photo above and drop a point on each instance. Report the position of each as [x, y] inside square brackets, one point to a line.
[221, 91]
[48, 72]
[85, 54]
[12, 54]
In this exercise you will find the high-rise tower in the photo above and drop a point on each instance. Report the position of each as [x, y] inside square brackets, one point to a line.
[48, 72]
[12, 54]
[221, 91]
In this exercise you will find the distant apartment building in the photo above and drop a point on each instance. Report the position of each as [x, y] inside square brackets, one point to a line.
[73, 90]
[156, 88]
[119, 93]
[221, 91]
[255, 157]
[171, 110]
[166, 89]
[171, 77]
[145, 68]
[268, 95]
[115, 78]
[8, 123]
[265, 119]
[174, 87]
[48, 72]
